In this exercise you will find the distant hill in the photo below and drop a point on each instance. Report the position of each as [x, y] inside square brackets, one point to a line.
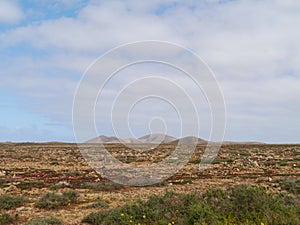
[104, 139]
[190, 140]
[151, 139]
[157, 138]
[131, 141]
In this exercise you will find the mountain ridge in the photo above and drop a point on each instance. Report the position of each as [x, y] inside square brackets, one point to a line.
[149, 138]
[159, 139]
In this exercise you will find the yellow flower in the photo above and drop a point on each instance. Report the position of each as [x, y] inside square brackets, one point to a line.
[122, 214]
[139, 224]
[173, 222]
[169, 224]
[262, 223]
[131, 217]
[144, 216]
[130, 221]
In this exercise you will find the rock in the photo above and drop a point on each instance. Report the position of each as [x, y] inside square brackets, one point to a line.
[63, 184]
[22, 208]
[2, 173]
[255, 163]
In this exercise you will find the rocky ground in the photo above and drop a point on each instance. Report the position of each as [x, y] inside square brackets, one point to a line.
[31, 170]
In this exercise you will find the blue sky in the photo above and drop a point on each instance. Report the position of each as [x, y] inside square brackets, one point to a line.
[252, 47]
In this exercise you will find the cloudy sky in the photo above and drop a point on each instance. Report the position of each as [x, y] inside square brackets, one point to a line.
[252, 47]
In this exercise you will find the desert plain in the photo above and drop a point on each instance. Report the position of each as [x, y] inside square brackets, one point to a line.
[30, 170]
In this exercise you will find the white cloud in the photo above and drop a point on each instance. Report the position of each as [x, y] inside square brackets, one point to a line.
[10, 12]
[253, 46]
[97, 28]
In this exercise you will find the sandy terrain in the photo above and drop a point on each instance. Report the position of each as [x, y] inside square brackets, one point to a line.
[31, 170]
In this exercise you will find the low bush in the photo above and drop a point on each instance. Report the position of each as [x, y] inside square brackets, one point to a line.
[6, 219]
[102, 186]
[45, 221]
[55, 201]
[98, 204]
[291, 186]
[237, 205]
[10, 202]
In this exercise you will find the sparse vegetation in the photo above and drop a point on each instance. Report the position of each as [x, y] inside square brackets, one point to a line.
[10, 202]
[55, 201]
[2, 182]
[28, 184]
[103, 186]
[6, 219]
[283, 163]
[33, 169]
[238, 205]
[58, 186]
[180, 181]
[45, 221]
[98, 204]
[292, 186]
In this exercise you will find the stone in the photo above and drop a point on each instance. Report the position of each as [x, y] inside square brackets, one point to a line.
[255, 163]
[2, 173]
[63, 183]
[22, 208]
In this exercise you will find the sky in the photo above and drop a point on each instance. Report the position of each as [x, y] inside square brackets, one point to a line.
[252, 47]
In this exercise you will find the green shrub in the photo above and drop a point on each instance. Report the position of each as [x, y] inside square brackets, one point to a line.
[98, 204]
[55, 201]
[238, 205]
[6, 219]
[283, 163]
[10, 202]
[70, 196]
[103, 186]
[292, 186]
[2, 182]
[202, 213]
[45, 221]
[29, 184]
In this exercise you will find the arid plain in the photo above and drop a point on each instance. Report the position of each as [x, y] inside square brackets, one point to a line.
[30, 170]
